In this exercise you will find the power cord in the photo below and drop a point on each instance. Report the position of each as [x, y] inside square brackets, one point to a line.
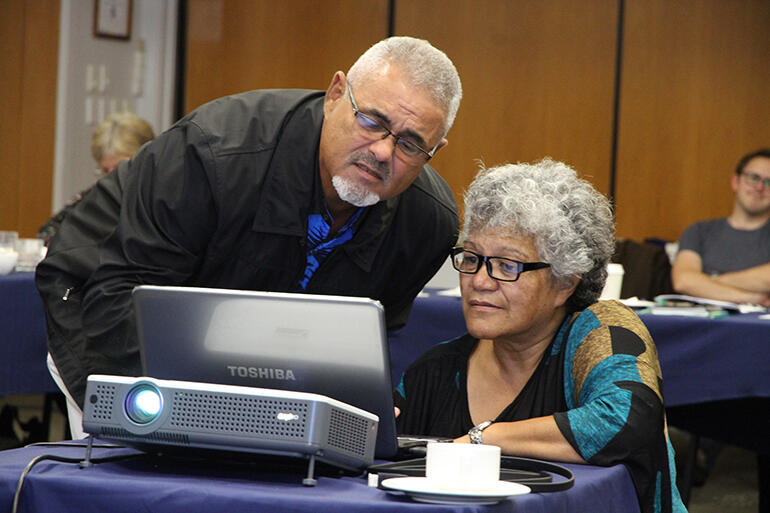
[74, 444]
[83, 463]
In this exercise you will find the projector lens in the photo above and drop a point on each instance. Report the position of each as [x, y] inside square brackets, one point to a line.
[143, 403]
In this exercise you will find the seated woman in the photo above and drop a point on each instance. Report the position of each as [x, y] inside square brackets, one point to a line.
[545, 370]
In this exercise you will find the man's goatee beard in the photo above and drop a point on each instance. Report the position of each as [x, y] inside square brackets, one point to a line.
[354, 193]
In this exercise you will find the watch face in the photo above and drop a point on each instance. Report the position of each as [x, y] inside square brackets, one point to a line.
[475, 432]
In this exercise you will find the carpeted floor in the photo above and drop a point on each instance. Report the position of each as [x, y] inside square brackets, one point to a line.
[731, 486]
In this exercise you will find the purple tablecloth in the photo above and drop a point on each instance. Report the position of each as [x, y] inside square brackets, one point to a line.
[707, 360]
[162, 485]
[22, 337]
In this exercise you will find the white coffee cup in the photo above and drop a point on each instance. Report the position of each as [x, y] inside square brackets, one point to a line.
[457, 466]
[614, 283]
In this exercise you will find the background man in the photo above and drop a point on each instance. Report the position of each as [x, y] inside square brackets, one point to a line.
[729, 258]
[276, 190]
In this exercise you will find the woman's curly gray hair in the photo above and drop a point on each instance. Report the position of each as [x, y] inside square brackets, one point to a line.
[571, 223]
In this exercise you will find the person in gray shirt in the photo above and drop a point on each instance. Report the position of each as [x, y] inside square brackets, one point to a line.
[728, 258]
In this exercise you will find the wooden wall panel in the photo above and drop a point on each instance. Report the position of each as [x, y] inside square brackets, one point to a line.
[11, 70]
[538, 81]
[29, 37]
[237, 45]
[38, 127]
[694, 98]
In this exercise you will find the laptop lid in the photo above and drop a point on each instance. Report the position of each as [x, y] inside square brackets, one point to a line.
[330, 345]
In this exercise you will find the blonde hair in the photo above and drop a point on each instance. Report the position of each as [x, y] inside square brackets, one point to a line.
[121, 134]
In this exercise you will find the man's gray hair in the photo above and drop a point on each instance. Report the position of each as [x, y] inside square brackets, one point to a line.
[425, 67]
[571, 223]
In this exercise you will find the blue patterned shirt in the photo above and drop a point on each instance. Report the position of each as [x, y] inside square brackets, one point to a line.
[320, 245]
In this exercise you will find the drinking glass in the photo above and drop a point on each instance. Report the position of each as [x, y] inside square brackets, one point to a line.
[31, 251]
[8, 255]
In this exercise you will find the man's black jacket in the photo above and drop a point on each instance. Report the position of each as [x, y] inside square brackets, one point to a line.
[221, 200]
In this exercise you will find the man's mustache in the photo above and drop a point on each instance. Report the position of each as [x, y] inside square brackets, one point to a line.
[366, 158]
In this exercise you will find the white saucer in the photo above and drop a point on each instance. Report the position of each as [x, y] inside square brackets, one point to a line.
[423, 490]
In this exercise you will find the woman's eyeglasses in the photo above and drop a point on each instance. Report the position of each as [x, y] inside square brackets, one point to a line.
[498, 268]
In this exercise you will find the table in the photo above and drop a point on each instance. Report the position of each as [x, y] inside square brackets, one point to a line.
[164, 485]
[22, 337]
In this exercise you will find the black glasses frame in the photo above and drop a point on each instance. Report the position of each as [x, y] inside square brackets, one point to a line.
[755, 179]
[521, 267]
[400, 141]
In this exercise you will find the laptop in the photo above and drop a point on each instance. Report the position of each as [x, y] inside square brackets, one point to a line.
[330, 345]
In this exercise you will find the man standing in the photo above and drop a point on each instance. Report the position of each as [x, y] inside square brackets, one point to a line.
[729, 258]
[275, 190]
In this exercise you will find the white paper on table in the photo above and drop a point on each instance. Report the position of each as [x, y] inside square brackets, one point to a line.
[454, 292]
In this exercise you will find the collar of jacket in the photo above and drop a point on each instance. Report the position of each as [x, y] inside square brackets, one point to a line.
[291, 183]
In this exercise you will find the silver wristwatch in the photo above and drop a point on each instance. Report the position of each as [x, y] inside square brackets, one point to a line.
[475, 432]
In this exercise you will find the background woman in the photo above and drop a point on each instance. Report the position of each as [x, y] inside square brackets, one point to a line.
[116, 138]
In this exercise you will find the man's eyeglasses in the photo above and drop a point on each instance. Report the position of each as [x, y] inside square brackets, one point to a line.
[754, 179]
[499, 268]
[408, 150]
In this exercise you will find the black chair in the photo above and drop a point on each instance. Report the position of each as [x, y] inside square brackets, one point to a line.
[647, 269]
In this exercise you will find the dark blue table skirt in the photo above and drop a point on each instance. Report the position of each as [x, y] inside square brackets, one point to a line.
[22, 337]
[163, 485]
[705, 360]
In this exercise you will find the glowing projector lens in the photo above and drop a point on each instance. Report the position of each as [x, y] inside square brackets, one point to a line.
[143, 403]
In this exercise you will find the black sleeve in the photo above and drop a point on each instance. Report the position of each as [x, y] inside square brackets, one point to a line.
[168, 214]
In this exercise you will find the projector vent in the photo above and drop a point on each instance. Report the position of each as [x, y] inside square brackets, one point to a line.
[156, 436]
[101, 402]
[348, 432]
[221, 413]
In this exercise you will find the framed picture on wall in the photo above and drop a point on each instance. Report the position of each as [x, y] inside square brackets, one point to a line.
[112, 18]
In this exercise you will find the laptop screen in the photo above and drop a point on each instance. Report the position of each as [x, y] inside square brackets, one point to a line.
[330, 345]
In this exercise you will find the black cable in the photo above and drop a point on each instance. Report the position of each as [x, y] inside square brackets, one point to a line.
[28, 468]
[42, 457]
[533, 465]
[74, 444]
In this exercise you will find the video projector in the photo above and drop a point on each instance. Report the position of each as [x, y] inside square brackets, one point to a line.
[151, 414]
